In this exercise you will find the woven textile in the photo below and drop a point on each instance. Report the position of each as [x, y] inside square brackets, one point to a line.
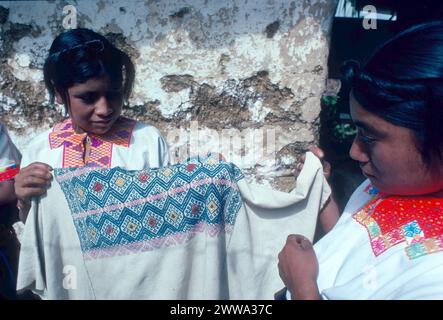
[195, 230]
[117, 211]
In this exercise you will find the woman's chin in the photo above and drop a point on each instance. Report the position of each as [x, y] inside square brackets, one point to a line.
[376, 183]
[101, 129]
[371, 178]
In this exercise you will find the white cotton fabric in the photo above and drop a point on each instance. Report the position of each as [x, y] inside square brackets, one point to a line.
[350, 270]
[9, 154]
[206, 267]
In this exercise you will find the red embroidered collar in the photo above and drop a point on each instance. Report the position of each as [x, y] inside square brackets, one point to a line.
[63, 134]
[391, 220]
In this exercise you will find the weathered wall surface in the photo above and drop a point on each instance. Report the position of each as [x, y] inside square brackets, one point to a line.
[243, 77]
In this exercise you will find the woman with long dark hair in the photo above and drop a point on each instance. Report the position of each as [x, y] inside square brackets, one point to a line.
[388, 243]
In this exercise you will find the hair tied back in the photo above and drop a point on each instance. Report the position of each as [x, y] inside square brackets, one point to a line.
[94, 46]
[350, 69]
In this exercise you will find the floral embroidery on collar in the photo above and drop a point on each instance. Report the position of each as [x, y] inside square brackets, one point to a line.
[390, 220]
[63, 134]
[370, 189]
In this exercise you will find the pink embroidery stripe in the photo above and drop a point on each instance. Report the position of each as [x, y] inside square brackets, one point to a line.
[156, 196]
[72, 174]
[157, 243]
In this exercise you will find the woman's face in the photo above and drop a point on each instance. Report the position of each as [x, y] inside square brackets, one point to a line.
[389, 157]
[95, 105]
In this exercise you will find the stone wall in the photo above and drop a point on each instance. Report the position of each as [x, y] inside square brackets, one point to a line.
[242, 77]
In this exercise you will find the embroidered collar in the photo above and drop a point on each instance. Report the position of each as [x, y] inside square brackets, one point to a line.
[63, 134]
[120, 134]
[390, 220]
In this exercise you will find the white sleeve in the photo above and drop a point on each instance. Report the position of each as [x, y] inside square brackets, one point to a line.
[163, 151]
[148, 149]
[31, 270]
[262, 225]
[9, 154]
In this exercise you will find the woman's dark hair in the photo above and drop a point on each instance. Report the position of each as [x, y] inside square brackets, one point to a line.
[77, 55]
[402, 82]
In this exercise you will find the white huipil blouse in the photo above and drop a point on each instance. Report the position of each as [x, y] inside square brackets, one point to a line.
[195, 230]
[383, 248]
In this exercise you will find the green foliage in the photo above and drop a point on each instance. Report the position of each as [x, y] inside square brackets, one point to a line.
[340, 131]
[329, 100]
[344, 132]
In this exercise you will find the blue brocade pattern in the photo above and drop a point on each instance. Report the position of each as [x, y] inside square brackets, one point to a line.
[117, 211]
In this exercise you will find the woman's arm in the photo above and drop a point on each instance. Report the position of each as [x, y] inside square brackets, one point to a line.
[298, 268]
[7, 194]
[329, 215]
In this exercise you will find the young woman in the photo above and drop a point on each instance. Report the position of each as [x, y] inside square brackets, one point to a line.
[93, 79]
[388, 243]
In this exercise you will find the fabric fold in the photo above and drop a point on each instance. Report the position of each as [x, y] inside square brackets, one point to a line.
[195, 230]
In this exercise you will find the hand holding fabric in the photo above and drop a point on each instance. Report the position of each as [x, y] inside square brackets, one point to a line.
[31, 181]
[319, 154]
[298, 268]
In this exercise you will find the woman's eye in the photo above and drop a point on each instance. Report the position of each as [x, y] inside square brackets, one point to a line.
[88, 99]
[365, 139]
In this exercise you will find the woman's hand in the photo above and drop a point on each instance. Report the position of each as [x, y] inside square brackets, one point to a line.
[298, 268]
[319, 154]
[330, 213]
[31, 181]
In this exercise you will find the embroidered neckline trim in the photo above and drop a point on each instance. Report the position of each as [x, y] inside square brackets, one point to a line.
[100, 154]
[417, 221]
[120, 134]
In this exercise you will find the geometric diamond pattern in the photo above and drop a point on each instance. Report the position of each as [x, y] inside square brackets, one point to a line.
[131, 226]
[174, 216]
[117, 211]
[152, 221]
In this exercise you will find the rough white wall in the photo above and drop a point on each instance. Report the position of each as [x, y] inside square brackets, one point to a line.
[208, 71]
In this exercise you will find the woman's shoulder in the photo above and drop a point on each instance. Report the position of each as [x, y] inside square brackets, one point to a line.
[40, 140]
[43, 139]
[37, 148]
[146, 138]
[143, 130]
[147, 127]
[364, 192]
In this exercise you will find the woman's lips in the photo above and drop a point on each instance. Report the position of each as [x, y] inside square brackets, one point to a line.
[367, 175]
[102, 122]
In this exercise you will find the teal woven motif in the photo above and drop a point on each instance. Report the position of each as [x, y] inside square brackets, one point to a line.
[117, 211]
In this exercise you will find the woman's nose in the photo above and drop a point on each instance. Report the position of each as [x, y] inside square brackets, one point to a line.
[103, 107]
[358, 151]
